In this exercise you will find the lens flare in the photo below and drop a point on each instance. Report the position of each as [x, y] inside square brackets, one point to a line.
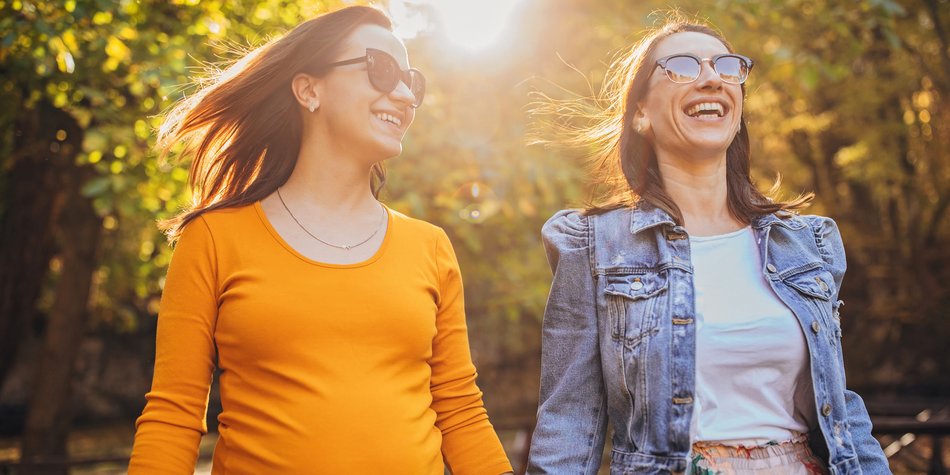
[468, 25]
[476, 201]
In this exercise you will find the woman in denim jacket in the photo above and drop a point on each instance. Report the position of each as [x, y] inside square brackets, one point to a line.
[696, 314]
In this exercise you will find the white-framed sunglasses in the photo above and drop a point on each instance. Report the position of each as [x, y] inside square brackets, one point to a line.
[685, 68]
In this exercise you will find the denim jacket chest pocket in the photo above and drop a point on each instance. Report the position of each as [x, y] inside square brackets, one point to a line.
[816, 287]
[631, 300]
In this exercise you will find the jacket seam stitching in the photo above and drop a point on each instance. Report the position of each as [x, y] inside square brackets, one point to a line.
[588, 235]
[822, 250]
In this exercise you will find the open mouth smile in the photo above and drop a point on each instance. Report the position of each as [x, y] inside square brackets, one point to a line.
[389, 118]
[706, 110]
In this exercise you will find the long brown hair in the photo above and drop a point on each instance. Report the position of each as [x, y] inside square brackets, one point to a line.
[242, 129]
[626, 169]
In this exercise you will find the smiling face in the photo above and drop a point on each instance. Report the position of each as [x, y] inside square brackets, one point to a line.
[696, 119]
[356, 116]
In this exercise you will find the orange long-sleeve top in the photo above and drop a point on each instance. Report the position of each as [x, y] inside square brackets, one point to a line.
[361, 368]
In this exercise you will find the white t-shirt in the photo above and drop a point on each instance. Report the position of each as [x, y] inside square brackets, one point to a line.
[753, 381]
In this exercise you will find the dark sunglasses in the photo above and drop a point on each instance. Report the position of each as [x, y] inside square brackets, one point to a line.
[685, 68]
[385, 75]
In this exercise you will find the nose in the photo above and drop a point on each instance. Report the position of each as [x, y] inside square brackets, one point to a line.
[708, 77]
[402, 95]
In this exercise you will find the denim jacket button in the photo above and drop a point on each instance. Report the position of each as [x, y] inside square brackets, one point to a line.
[675, 234]
[815, 327]
[636, 285]
[822, 284]
[826, 409]
[770, 268]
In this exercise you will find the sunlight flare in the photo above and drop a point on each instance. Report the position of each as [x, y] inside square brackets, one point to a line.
[469, 25]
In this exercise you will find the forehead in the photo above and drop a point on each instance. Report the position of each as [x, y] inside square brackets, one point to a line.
[693, 42]
[376, 37]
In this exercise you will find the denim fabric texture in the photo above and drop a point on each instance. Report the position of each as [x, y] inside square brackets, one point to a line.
[619, 343]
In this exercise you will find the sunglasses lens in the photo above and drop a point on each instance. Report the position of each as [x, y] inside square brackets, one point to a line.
[417, 86]
[383, 72]
[385, 75]
[682, 69]
[732, 69]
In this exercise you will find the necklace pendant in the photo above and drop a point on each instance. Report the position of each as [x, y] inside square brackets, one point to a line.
[346, 248]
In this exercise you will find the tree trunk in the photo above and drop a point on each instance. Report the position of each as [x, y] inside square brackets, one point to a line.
[49, 416]
[32, 196]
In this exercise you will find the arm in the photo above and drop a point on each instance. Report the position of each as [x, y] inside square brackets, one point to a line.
[469, 442]
[168, 432]
[870, 455]
[572, 412]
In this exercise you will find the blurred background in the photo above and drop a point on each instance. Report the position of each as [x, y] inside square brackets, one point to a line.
[847, 99]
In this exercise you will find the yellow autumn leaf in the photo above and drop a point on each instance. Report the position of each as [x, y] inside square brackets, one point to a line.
[128, 33]
[102, 18]
[116, 49]
[852, 155]
[69, 39]
[65, 62]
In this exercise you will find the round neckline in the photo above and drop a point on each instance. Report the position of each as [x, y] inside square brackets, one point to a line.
[280, 240]
[716, 237]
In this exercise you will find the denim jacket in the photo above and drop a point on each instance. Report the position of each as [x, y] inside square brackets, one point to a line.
[619, 343]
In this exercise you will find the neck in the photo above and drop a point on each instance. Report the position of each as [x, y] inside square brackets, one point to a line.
[699, 189]
[329, 181]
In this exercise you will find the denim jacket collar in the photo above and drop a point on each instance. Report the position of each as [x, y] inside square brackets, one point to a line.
[646, 215]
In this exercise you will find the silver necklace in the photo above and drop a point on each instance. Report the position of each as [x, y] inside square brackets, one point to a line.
[345, 247]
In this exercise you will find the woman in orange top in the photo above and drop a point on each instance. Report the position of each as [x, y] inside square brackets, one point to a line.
[337, 324]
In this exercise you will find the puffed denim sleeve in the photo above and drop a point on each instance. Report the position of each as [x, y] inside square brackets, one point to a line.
[870, 455]
[572, 412]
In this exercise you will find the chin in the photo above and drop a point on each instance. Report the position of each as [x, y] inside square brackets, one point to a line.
[713, 141]
[382, 146]
[387, 151]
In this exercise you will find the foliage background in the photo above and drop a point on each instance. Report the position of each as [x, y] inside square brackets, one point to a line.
[847, 99]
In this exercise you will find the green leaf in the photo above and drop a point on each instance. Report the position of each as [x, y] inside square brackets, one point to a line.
[97, 186]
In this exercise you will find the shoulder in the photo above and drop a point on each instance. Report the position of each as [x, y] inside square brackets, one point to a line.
[227, 220]
[216, 228]
[817, 222]
[811, 224]
[418, 228]
[804, 229]
[416, 232]
[566, 229]
[823, 234]
[824, 229]
[419, 237]
[827, 235]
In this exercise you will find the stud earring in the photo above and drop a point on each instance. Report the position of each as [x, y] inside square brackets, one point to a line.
[639, 128]
[312, 105]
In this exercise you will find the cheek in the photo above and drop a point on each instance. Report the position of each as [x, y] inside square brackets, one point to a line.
[349, 91]
[339, 112]
[659, 107]
[738, 98]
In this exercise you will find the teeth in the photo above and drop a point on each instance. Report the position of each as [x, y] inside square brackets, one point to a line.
[706, 106]
[389, 118]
